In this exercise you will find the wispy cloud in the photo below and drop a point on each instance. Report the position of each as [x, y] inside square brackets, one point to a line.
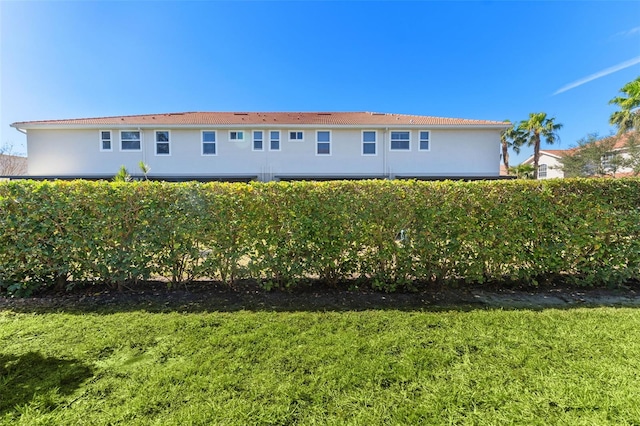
[611, 70]
[628, 33]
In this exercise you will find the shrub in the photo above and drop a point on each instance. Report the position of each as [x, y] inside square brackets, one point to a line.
[394, 234]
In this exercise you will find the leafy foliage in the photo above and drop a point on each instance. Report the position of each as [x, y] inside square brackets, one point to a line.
[530, 133]
[522, 171]
[628, 117]
[393, 234]
[592, 157]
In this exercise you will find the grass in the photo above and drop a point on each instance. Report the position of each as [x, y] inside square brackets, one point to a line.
[573, 367]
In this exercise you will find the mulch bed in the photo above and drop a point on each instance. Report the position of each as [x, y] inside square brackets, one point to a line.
[156, 296]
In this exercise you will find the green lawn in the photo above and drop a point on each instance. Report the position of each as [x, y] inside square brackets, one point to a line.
[577, 366]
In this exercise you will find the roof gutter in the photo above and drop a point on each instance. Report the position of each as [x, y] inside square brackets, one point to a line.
[24, 132]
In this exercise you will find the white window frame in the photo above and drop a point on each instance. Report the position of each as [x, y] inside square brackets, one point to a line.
[295, 139]
[236, 139]
[214, 143]
[128, 140]
[279, 139]
[156, 142]
[375, 143]
[543, 172]
[391, 132]
[319, 142]
[254, 140]
[421, 139]
[102, 140]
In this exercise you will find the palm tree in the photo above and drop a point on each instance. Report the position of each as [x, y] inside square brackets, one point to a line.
[522, 171]
[628, 117]
[507, 138]
[529, 132]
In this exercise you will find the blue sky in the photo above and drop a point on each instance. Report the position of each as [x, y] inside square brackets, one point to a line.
[481, 59]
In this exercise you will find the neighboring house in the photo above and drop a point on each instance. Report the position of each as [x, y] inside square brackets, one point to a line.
[548, 163]
[550, 166]
[265, 146]
[12, 165]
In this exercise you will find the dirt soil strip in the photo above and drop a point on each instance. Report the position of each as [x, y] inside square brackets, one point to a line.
[211, 296]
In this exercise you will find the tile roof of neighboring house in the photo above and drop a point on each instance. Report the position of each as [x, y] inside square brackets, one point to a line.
[622, 140]
[263, 119]
[552, 152]
[556, 152]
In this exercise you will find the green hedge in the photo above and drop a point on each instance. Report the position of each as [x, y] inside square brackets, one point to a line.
[389, 233]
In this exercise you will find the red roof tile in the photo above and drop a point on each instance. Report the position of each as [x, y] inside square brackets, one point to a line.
[557, 152]
[266, 118]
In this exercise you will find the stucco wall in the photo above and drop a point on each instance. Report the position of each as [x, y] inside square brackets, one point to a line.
[455, 152]
[553, 166]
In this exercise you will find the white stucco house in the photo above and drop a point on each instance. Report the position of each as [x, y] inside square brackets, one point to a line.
[265, 146]
[548, 163]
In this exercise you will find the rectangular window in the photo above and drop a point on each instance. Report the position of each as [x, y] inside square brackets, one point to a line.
[209, 143]
[105, 140]
[258, 144]
[400, 141]
[323, 142]
[163, 142]
[236, 136]
[274, 140]
[296, 136]
[607, 159]
[542, 171]
[424, 140]
[130, 140]
[369, 142]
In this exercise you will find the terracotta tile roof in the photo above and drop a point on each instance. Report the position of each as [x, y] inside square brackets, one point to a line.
[556, 152]
[265, 118]
[622, 140]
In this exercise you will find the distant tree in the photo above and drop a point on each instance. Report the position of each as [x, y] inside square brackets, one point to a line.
[632, 150]
[530, 132]
[507, 138]
[522, 171]
[593, 157]
[11, 163]
[628, 118]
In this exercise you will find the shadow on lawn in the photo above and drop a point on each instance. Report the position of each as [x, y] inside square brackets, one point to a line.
[45, 381]
[155, 296]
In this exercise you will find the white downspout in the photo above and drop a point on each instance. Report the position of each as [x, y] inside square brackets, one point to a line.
[385, 172]
[144, 157]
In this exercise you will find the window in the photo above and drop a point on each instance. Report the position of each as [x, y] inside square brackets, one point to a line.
[368, 142]
[236, 136]
[424, 140]
[105, 140]
[323, 142]
[130, 140]
[274, 140]
[162, 142]
[608, 159]
[296, 136]
[400, 141]
[209, 143]
[257, 140]
[542, 171]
